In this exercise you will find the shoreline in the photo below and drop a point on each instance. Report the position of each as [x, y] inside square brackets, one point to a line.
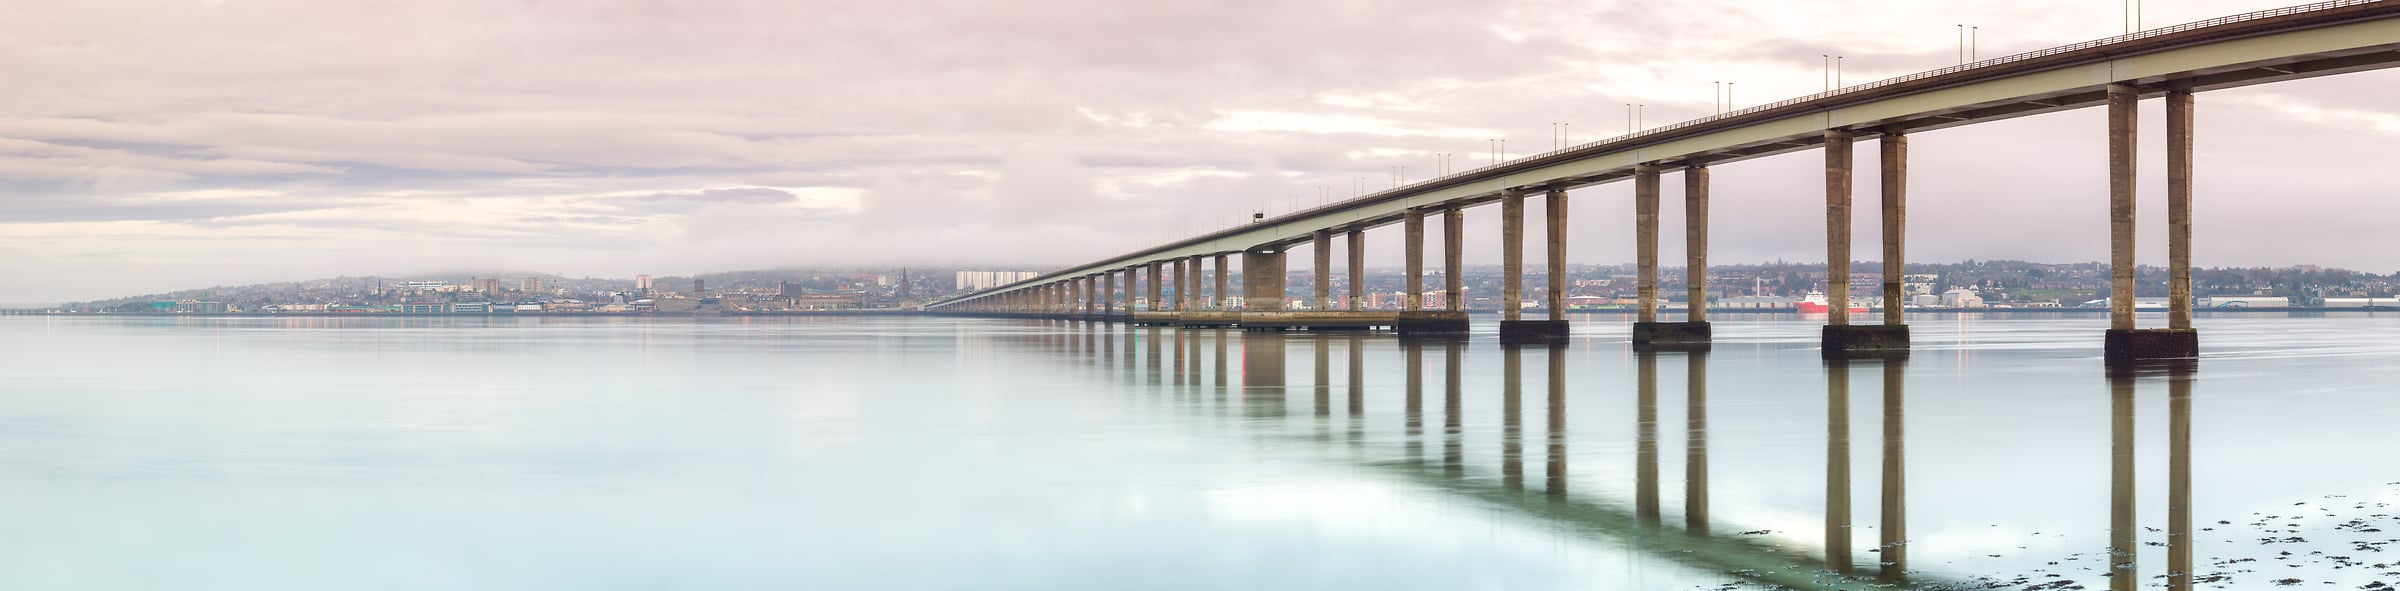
[905, 312]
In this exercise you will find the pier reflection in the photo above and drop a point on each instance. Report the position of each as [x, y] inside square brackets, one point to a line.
[2123, 544]
[1263, 380]
[1695, 443]
[1890, 555]
[1263, 375]
[1512, 407]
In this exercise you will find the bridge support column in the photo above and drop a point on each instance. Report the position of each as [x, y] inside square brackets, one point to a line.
[1153, 287]
[1451, 320]
[1512, 256]
[1454, 232]
[1183, 285]
[2123, 342]
[1895, 227]
[1554, 205]
[1694, 333]
[1199, 267]
[1514, 328]
[1262, 281]
[1412, 248]
[1357, 253]
[1322, 279]
[1108, 295]
[1841, 339]
[1553, 328]
[1224, 278]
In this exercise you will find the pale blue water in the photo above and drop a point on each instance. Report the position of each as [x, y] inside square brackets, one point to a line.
[921, 453]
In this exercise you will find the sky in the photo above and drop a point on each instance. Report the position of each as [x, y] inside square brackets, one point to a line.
[156, 145]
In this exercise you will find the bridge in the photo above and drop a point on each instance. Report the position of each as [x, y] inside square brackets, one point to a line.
[2173, 64]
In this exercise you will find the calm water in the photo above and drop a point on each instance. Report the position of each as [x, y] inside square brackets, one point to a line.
[901, 453]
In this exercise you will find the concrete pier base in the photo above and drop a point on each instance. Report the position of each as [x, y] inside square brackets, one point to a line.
[1210, 319]
[1674, 335]
[2142, 344]
[1866, 341]
[1532, 331]
[1318, 320]
[1147, 318]
[1432, 323]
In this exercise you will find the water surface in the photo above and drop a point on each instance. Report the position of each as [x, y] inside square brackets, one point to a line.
[921, 453]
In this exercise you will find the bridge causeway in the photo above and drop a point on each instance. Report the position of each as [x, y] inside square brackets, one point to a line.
[2173, 64]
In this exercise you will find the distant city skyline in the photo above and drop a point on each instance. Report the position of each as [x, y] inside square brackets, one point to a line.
[898, 286]
[159, 147]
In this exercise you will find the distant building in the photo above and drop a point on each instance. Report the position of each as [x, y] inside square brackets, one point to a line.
[2248, 302]
[2384, 302]
[1962, 298]
[826, 301]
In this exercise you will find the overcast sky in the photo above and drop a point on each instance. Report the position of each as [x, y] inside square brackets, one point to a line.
[147, 146]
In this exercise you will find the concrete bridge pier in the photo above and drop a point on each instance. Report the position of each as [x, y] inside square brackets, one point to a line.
[1054, 300]
[1357, 252]
[1108, 297]
[1154, 285]
[1841, 339]
[1514, 328]
[1554, 329]
[1694, 332]
[1321, 277]
[1181, 284]
[1153, 313]
[1412, 250]
[1224, 277]
[1070, 305]
[1199, 298]
[1452, 319]
[1262, 280]
[1207, 311]
[1895, 237]
[2124, 343]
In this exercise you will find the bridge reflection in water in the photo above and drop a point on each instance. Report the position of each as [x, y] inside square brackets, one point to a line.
[1254, 366]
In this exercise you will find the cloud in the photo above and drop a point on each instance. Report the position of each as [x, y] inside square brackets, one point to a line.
[617, 137]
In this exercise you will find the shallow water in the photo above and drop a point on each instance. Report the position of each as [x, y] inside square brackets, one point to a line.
[921, 453]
